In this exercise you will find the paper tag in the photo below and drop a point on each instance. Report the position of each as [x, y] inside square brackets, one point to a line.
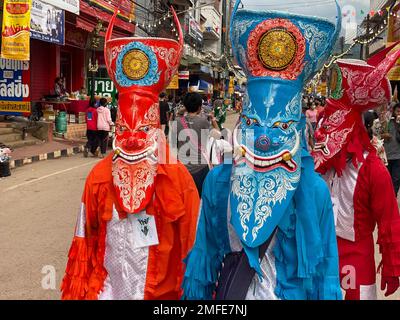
[144, 230]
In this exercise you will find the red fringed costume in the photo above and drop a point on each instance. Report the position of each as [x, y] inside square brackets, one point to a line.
[139, 208]
[361, 188]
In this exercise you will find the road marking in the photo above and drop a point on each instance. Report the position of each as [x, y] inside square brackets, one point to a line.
[48, 176]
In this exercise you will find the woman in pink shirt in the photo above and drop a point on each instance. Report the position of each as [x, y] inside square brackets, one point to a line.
[312, 114]
[104, 124]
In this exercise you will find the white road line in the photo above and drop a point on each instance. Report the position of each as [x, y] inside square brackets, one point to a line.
[48, 176]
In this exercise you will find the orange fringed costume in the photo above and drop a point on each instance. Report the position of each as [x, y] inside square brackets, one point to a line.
[139, 211]
[175, 208]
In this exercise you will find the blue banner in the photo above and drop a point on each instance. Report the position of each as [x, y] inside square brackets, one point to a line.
[47, 23]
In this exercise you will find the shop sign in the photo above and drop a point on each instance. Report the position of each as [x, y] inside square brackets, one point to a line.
[103, 87]
[184, 75]
[67, 5]
[47, 23]
[15, 95]
[174, 84]
[194, 29]
[15, 30]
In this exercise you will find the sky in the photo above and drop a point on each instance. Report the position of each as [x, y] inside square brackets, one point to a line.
[353, 11]
[324, 8]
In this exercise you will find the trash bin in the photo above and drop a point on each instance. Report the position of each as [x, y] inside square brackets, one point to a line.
[61, 122]
[5, 169]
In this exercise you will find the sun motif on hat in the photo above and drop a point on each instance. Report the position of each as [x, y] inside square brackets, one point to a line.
[135, 64]
[276, 48]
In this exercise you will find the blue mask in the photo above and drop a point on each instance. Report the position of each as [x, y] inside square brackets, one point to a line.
[279, 52]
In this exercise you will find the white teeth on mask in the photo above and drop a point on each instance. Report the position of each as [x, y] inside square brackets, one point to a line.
[290, 164]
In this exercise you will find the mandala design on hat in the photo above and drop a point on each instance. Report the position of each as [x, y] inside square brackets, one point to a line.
[137, 64]
[276, 48]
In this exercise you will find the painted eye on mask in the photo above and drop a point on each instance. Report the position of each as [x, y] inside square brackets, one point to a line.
[121, 129]
[250, 121]
[326, 127]
[145, 129]
[283, 125]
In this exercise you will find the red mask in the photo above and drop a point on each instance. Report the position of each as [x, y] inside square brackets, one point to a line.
[356, 87]
[141, 69]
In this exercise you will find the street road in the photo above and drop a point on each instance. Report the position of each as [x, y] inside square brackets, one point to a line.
[38, 207]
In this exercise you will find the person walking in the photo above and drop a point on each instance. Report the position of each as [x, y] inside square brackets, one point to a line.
[104, 123]
[192, 144]
[312, 114]
[164, 112]
[91, 129]
[392, 147]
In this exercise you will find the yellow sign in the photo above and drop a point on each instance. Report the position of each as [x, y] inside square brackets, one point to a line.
[394, 73]
[231, 88]
[11, 106]
[16, 29]
[174, 84]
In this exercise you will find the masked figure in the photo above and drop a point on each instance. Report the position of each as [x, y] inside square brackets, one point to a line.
[139, 210]
[271, 190]
[362, 193]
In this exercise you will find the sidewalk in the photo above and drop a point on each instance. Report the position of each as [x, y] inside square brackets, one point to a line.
[48, 150]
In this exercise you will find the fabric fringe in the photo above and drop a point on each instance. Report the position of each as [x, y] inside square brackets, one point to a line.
[201, 275]
[75, 283]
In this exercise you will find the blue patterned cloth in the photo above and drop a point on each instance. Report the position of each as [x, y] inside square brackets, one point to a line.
[306, 229]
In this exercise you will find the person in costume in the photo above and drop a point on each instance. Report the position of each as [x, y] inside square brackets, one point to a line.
[361, 189]
[131, 234]
[270, 190]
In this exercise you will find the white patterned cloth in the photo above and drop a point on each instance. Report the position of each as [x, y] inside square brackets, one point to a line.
[125, 265]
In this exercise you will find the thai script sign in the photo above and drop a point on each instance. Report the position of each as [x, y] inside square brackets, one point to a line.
[14, 87]
[15, 30]
[103, 87]
[47, 23]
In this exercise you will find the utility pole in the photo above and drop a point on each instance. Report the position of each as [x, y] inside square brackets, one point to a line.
[224, 29]
[366, 45]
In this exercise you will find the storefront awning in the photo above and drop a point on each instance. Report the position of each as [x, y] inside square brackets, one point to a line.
[84, 24]
[192, 60]
[99, 14]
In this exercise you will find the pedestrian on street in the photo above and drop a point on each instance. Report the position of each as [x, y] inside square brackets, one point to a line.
[392, 147]
[104, 123]
[91, 129]
[192, 149]
[164, 112]
[312, 114]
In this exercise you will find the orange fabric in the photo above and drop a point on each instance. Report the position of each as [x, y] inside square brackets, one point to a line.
[175, 208]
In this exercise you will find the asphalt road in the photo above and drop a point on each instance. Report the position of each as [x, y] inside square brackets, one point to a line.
[38, 207]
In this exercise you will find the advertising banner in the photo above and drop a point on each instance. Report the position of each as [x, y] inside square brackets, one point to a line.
[174, 84]
[15, 30]
[47, 23]
[67, 5]
[15, 97]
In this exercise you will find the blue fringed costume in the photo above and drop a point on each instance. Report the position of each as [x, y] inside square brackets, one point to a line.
[271, 182]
